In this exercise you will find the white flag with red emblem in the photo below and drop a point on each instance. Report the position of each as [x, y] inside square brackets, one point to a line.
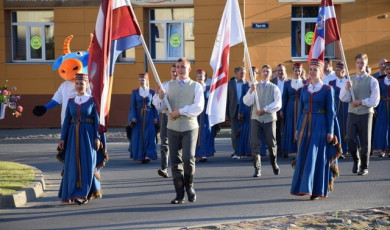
[230, 33]
[325, 32]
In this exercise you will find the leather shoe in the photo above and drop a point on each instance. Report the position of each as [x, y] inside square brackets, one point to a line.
[363, 172]
[314, 198]
[276, 169]
[257, 173]
[163, 173]
[356, 166]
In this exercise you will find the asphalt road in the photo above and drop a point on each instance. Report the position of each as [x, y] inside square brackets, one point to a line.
[135, 197]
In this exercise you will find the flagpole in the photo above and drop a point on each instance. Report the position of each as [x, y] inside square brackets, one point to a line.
[251, 73]
[151, 63]
[346, 67]
[155, 72]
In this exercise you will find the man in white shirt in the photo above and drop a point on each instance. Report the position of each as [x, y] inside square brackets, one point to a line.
[186, 99]
[329, 74]
[381, 71]
[163, 171]
[279, 81]
[263, 119]
[360, 112]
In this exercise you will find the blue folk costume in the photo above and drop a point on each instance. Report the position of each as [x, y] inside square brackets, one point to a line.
[243, 133]
[316, 164]
[205, 143]
[82, 163]
[381, 136]
[341, 113]
[290, 103]
[143, 133]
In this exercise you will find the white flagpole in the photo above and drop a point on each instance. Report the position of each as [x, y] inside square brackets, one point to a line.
[346, 67]
[151, 63]
[246, 53]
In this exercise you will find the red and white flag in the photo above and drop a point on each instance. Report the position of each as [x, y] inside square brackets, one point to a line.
[116, 30]
[230, 33]
[325, 32]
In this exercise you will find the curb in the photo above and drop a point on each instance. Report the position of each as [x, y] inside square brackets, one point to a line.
[29, 193]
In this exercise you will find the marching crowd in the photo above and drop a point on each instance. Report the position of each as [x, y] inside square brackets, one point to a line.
[318, 119]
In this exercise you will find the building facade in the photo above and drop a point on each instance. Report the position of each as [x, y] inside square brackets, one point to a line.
[32, 35]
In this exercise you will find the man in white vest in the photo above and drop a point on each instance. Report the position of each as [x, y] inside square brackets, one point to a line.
[186, 99]
[263, 119]
[360, 112]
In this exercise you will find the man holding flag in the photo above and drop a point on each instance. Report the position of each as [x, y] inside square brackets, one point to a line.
[187, 101]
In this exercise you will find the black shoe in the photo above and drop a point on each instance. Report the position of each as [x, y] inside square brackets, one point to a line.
[276, 169]
[341, 157]
[81, 201]
[145, 161]
[314, 198]
[356, 166]
[163, 173]
[204, 159]
[177, 201]
[363, 172]
[179, 188]
[257, 173]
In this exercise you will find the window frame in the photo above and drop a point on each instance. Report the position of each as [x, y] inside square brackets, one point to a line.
[303, 21]
[28, 26]
[167, 28]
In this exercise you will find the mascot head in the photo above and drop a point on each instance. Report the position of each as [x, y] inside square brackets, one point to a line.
[71, 63]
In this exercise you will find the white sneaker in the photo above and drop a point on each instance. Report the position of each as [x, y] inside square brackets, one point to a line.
[382, 154]
[235, 157]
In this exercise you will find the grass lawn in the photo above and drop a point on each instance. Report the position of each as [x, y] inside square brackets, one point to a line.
[14, 176]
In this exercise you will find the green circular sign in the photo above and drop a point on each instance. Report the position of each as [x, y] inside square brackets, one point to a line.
[309, 37]
[36, 42]
[175, 40]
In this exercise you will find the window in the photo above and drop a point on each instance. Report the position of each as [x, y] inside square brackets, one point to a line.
[303, 21]
[32, 36]
[171, 33]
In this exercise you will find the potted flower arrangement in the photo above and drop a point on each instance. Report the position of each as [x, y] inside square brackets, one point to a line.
[7, 100]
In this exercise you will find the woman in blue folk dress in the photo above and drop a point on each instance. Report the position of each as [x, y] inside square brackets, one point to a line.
[78, 148]
[143, 118]
[205, 144]
[290, 101]
[341, 107]
[315, 137]
[381, 140]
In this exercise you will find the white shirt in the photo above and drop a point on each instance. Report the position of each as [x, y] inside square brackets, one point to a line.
[386, 80]
[330, 77]
[144, 92]
[315, 88]
[341, 82]
[192, 110]
[64, 92]
[296, 83]
[82, 99]
[281, 84]
[275, 106]
[372, 101]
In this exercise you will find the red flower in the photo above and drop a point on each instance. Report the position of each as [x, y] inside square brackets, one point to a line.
[6, 92]
[20, 108]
